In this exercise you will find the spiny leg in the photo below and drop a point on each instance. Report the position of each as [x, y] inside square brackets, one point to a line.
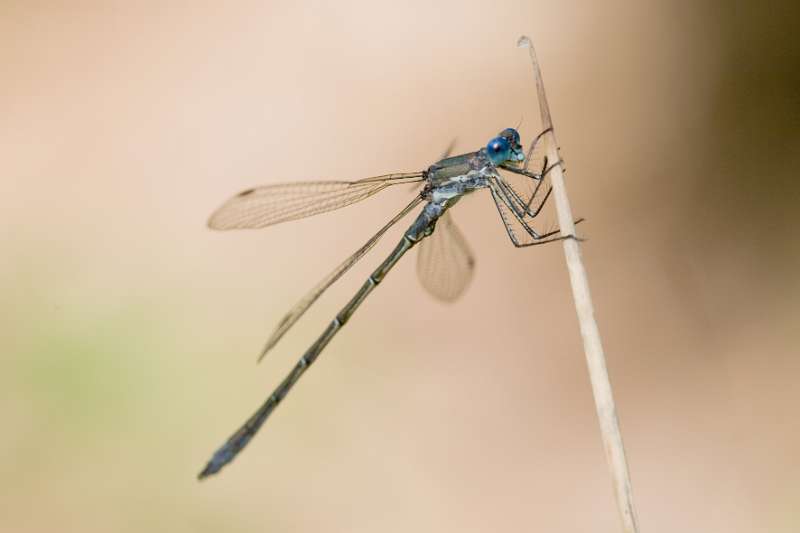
[520, 206]
[533, 146]
[503, 205]
[539, 178]
[502, 209]
[546, 240]
[501, 197]
[545, 171]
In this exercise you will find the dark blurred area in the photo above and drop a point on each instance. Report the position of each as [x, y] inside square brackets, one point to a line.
[130, 330]
[754, 122]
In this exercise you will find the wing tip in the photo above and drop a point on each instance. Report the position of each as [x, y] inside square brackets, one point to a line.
[214, 223]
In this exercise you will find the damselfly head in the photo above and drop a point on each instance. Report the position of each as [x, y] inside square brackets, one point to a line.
[505, 147]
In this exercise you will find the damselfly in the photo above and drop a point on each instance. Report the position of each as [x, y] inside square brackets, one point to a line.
[445, 262]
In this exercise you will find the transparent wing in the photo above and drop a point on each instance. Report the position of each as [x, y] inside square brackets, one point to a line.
[272, 204]
[302, 306]
[445, 263]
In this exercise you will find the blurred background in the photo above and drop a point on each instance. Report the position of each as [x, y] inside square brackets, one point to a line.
[129, 331]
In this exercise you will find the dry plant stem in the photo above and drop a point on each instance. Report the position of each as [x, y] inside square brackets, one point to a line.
[601, 387]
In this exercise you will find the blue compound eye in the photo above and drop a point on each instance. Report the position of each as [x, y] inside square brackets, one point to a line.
[499, 150]
[512, 135]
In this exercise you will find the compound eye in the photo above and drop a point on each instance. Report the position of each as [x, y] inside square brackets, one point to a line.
[512, 135]
[498, 145]
[498, 149]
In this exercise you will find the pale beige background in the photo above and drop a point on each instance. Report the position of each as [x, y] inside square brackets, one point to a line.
[129, 331]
